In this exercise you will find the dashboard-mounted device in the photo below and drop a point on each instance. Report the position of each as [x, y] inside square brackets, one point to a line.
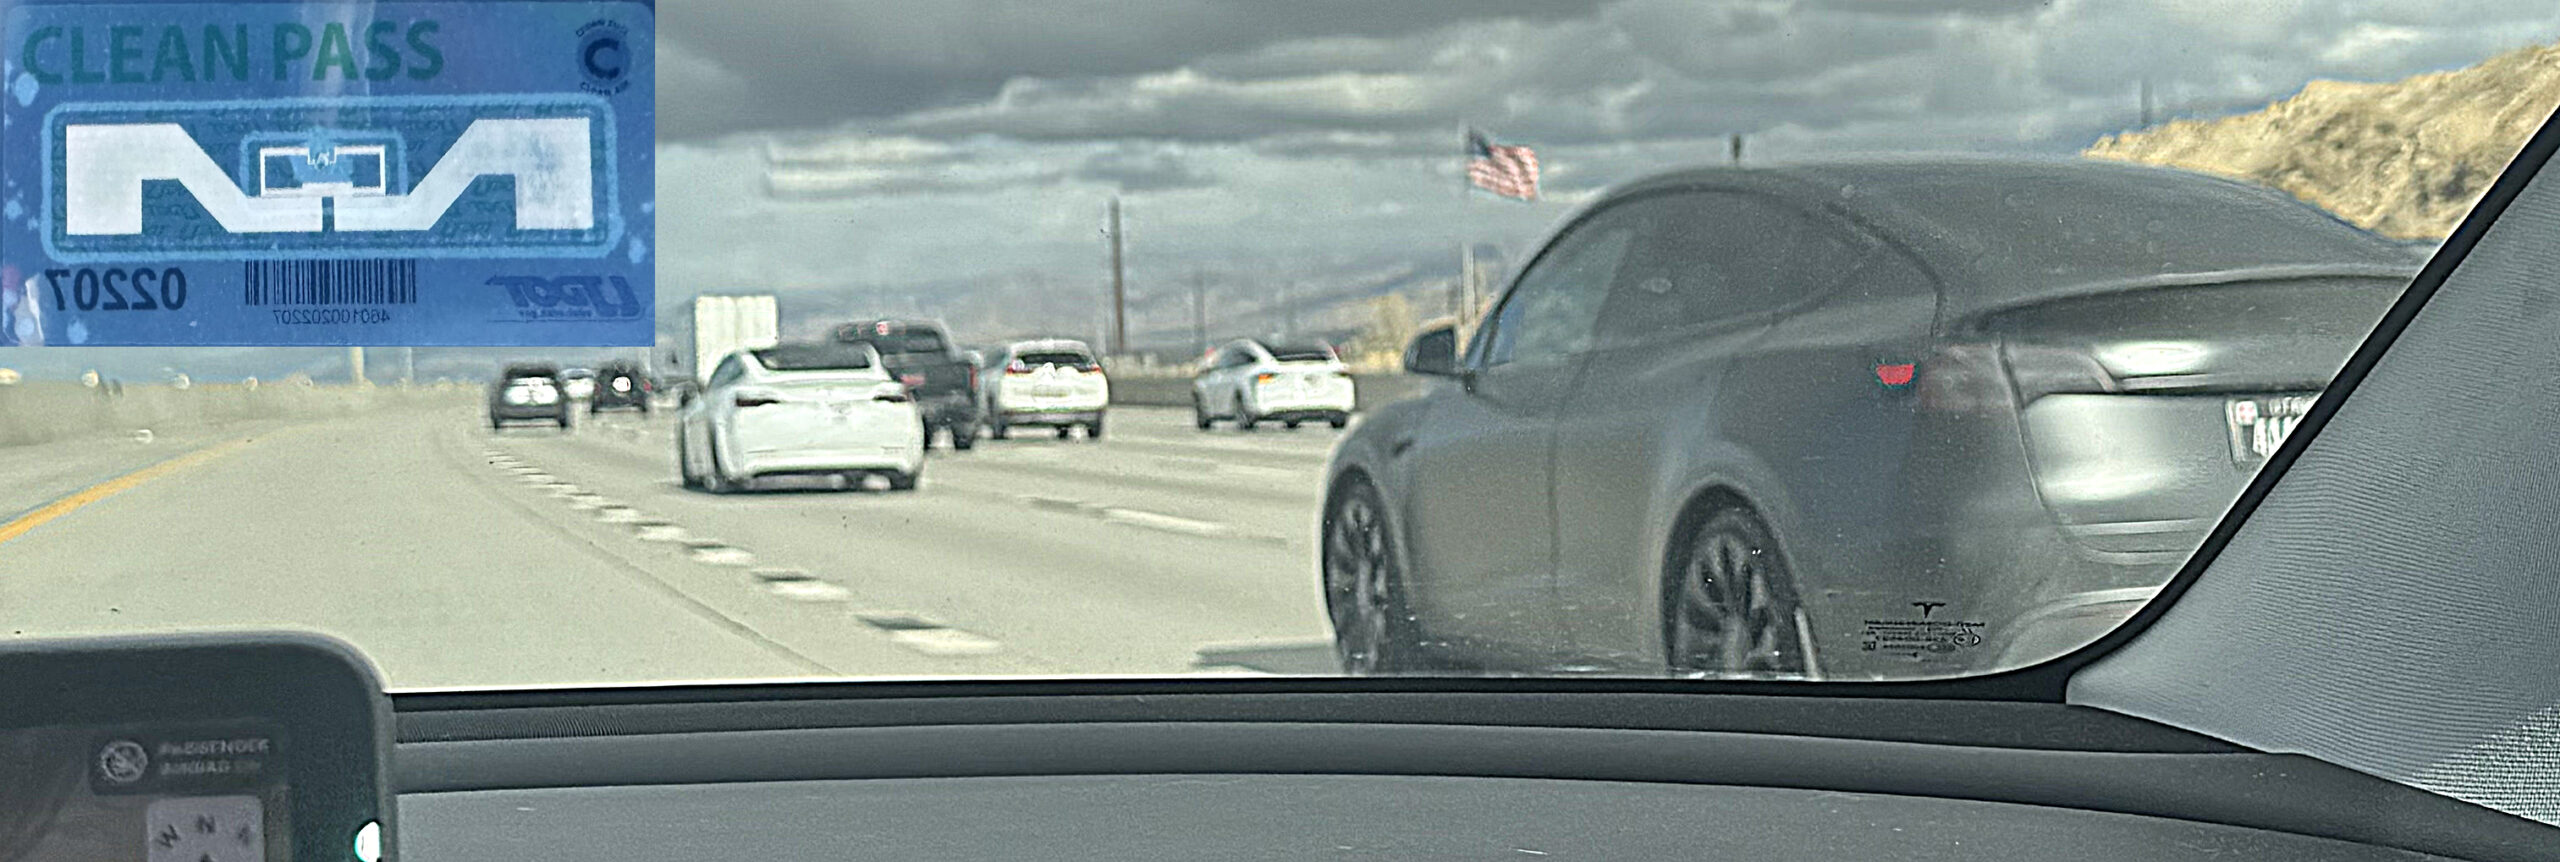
[215, 748]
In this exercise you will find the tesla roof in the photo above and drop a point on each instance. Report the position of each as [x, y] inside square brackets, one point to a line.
[2003, 231]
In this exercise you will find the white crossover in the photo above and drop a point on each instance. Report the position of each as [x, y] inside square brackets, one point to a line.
[819, 408]
[1251, 383]
[1054, 382]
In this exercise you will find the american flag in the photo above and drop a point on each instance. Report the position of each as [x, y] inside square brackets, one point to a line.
[1509, 171]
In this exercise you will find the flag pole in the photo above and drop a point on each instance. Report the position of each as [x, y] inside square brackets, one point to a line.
[1466, 292]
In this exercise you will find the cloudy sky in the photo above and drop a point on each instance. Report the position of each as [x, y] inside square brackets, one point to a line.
[955, 157]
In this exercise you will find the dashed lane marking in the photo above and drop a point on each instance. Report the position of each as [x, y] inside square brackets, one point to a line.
[945, 642]
[723, 555]
[661, 533]
[1167, 523]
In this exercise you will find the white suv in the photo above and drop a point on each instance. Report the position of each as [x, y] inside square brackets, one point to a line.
[1250, 383]
[1053, 381]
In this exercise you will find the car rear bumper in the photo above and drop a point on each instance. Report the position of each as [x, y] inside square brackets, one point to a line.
[904, 459]
[942, 410]
[527, 412]
[1054, 416]
[1272, 406]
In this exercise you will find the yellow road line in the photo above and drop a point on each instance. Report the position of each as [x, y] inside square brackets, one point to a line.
[112, 487]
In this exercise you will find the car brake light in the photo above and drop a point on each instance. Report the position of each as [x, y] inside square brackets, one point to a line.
[973, 377]
[1265, 377]
[911, 380]
[745, 400]
[1896, 374]
[1018, 367]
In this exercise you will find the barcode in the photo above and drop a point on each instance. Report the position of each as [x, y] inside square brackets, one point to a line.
[329, 282]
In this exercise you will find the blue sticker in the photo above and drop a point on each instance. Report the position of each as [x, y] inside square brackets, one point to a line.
[385, 173]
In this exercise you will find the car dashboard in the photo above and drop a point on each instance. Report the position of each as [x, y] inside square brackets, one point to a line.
[1180, 771]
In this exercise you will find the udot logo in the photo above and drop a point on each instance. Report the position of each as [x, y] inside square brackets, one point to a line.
[495, 177]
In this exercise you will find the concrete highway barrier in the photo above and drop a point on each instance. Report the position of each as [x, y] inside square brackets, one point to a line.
[1372, 390]
[43, 412]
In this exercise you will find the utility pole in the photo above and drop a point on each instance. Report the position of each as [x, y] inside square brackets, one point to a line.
[408, 366]
[1119, 287]
[1737, 148]
[1199, 312]
[355, 366]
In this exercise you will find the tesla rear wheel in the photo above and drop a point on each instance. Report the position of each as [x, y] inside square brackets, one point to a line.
[899, 481]
[1093, 430]
[1064, 430]
[1291, 424]
[1373, 633]
[1338, 420]
[1733, 611]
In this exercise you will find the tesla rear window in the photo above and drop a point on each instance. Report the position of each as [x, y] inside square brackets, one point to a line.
[814, 357]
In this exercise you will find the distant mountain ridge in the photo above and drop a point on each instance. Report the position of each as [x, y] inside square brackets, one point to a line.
[2406, 158]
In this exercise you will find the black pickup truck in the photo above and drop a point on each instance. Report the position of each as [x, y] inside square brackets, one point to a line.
[942, 382]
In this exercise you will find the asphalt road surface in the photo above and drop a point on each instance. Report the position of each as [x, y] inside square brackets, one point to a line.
[458, 557]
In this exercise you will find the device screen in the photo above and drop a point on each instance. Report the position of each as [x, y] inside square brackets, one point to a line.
[166, 792]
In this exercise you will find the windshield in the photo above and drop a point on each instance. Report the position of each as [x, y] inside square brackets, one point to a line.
[1799, 341]
[814, 357]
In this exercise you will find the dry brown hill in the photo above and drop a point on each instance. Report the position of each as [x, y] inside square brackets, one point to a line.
[2406, 158]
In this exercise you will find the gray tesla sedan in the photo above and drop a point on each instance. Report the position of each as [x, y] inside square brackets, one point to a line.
[1854, 421]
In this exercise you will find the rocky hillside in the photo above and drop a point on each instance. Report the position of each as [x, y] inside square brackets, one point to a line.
[2406, 158]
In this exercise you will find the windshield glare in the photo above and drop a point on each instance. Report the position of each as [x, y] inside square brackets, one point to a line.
[1797, 341]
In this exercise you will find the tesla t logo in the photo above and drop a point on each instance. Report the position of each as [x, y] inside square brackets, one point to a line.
[1926, 607]
[105, 168]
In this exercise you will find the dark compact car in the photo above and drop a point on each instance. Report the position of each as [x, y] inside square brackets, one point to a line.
[621, 386]
[943, 382]
[528, 392]
[1848, 421]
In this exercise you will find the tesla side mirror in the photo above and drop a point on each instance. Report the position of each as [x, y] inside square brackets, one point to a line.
[1434, 353]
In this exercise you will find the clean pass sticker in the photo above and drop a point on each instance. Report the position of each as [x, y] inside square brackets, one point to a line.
[387, 173]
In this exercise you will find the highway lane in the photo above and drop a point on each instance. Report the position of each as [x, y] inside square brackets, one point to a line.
[459, 557]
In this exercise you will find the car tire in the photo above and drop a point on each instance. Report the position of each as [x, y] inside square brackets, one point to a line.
[964, 437]
[564, 420]
[903, 481]
[497, 425]
[1200, 417]
[1374, 633]
[1093, 429]
[1291, 424]
[1338, 420]
[929, 428]
[1730, 605]
[684, 464]
[1065, 431]
[1244, 415]
[997, 430]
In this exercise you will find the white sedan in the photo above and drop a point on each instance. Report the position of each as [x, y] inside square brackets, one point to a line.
[1252, 383]
[807, 409]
